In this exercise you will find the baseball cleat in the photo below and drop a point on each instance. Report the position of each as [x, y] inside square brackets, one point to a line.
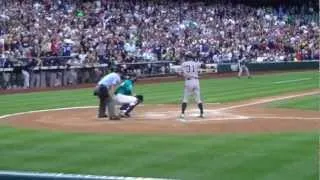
[125, 115]
[201, 116]
[103, 116]
[115, 118]
[181, 118]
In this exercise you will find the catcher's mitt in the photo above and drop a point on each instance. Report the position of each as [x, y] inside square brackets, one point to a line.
[140, 97]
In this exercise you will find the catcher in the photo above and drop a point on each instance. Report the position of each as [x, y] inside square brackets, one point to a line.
[125, 97]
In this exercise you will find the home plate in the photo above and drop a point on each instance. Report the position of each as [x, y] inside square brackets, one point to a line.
[155, 115]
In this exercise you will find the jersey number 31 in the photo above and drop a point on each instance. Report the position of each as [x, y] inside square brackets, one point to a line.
[190, 68]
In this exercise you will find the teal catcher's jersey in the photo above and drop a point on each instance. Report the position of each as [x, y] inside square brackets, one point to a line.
[125, 88]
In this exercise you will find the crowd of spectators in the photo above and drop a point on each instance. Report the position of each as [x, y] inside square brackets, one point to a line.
[103, 31]
[120, 31]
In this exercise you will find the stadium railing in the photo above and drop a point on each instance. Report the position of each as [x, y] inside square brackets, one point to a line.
[61, 69]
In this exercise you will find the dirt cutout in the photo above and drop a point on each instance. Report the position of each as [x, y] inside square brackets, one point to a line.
[245, 116]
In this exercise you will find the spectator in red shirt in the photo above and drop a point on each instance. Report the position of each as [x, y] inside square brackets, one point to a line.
[55, 47]
[299, 55]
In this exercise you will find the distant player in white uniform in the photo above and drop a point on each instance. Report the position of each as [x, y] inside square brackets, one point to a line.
[242, 64]
[190, 70]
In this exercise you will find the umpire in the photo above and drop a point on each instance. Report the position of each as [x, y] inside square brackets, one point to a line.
[105, 91]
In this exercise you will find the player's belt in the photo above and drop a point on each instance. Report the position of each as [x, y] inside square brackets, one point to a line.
[191, 78]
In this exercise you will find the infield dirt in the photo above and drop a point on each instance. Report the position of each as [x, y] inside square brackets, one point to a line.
[244, 116]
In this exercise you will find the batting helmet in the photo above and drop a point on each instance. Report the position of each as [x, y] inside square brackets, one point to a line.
[189, 55]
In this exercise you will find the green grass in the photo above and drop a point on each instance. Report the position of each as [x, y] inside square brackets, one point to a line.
[263, 156]
[213, 90]
[272, 156]
[305, 103]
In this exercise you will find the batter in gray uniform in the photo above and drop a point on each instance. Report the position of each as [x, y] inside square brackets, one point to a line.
[190, 71]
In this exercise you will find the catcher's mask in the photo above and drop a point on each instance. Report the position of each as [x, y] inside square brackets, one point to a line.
[132, 77]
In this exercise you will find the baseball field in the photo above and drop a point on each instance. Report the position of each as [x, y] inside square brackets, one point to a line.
[264, 128]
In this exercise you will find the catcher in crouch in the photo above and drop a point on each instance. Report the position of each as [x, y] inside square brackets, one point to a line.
[124, 96]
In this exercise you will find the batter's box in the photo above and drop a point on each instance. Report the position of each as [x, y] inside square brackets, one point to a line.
[192, 115]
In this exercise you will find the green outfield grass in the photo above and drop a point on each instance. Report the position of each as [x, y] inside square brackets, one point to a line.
[213, 90]
[268, 156]
[305, 103]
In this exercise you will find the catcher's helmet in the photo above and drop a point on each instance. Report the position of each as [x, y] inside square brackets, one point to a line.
[132, 77]
[118, 69]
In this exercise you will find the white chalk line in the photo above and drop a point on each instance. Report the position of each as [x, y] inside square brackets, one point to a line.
[70, 176]
[46, 110]
[289, 118]
[200, 120]
[192, 115]
[216, 103]
[289, 81]
[211, 119]
[215, 119]
[263, 101]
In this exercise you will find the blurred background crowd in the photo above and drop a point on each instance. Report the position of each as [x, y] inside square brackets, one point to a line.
[128, 31]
